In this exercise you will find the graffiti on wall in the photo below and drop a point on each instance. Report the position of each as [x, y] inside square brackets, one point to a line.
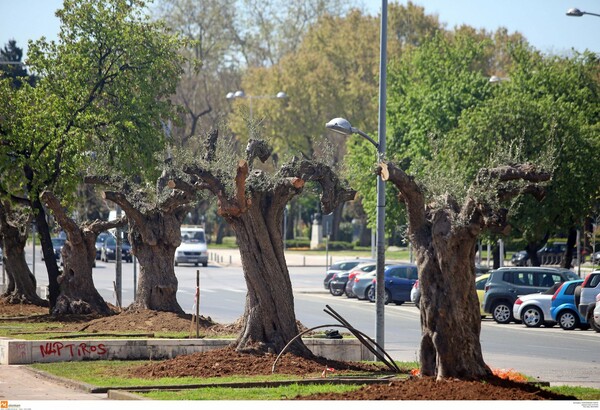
[72, 349]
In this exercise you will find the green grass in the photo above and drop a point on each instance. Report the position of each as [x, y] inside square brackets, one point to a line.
[251, 393]
[582, 393]
[112, 373]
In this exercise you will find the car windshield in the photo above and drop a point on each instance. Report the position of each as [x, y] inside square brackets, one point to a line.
[112, 241]
[192, 236]
[572, 275]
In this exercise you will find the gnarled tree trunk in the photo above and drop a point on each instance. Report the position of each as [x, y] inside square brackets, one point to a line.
[154, 237]
[154, 234]
[255, 211]
[22, 286]
[78, 294]
[444, 235]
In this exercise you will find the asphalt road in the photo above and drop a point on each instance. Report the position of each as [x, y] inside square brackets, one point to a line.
[552, 355]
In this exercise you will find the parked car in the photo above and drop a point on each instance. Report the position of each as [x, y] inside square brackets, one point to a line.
[399, 280]
[480, 272]
[415, 294]
[342, 266]
[596, 258]
[480, 282]
[362, 284]
[596, 315]
[586, 303]
[506, 283]
[1, 256]
[193, 248]
[534, 309]
[564, 307]
[520, 258]
[57, 245]
[550, 254]
[99, 242]
[109, 250]
[339, 280]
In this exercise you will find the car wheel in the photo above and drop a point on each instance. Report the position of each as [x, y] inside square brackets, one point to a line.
[371, 294]
[568, 320]
[205, 264]
[533, 316]
[502, 313]
[335, 292]
[595, 326]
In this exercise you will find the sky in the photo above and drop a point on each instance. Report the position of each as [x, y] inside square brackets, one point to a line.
[544, 23]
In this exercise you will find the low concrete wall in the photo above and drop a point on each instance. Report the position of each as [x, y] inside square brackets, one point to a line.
[46, 351]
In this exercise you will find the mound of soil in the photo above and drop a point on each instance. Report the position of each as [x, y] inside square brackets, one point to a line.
[224, 362]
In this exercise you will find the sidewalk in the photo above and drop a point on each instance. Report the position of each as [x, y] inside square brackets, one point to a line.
[20, 383]
[231, 257]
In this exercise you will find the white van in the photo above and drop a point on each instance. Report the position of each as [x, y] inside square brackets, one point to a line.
[193, 247]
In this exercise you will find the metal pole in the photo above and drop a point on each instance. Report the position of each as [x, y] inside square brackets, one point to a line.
[33, 266]
[118, 266]
[285, 212]
[501, 252]
[134, 277]
[197, 303]
[578, 253]
[380, 288]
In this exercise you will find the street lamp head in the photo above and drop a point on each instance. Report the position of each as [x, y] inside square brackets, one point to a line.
[229, 95]
[281, 94]
[574, 12]
[340, 125]
[239, 94]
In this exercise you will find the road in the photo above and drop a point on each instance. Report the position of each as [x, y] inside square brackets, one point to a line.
[553, 355]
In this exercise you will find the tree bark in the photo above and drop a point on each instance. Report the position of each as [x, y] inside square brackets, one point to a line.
[22, 285]
[444, 236]
[78, 294]
[255, 211]
[154, 234]
[269, 317]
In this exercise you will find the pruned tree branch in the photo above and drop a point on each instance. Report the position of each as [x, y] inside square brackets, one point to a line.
[59, 213]
[410, 192]
[333, 191]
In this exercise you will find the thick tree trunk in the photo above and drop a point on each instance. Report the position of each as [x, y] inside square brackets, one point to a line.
[155, 250]
[78, 294]
[269, 317]
[450, 324]
[21, 282]
[444, 235]
[154, 234]
[568, 257]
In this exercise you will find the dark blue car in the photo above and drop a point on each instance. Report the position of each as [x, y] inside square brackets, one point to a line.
[564, 307]
[399, 280]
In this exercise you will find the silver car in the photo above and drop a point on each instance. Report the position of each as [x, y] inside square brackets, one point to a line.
[534, 309]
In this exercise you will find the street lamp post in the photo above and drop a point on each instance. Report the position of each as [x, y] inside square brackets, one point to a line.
[342, 126]
[578, 13]
[241, 94]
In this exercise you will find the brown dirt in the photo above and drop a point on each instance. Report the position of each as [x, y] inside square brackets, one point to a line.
[224, 362]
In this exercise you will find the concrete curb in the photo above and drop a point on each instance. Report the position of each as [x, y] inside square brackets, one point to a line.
[87, 388]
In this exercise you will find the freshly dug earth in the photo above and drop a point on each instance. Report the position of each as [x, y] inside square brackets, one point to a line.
[224, 362]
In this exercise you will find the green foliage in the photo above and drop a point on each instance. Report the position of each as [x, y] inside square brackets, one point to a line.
[101, 99]
[447, 121]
